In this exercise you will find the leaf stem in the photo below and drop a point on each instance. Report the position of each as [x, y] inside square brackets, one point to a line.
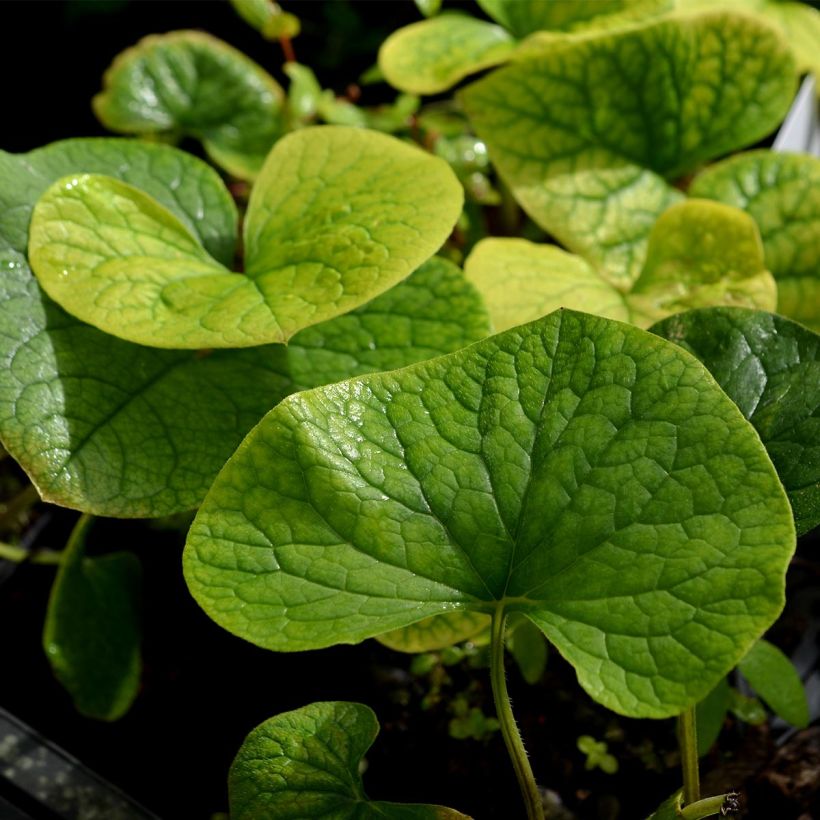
[688, 741]
[509, 729]
[20, 554]
[708, 807]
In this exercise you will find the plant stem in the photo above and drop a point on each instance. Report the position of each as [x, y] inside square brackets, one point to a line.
[708, 807]
[509, 729]
[20, 554]
[688, 740]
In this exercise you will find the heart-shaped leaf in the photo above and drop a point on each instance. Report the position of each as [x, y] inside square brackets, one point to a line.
[770, 367]
[337, 216]
[775, 679]
[577, 470]
[92, 631]
[306, 763]
[586, 132]
[432, 312]
[698, 253]
[433, 55]
[192, 84]
[524, 17]
[782, 193]
[103, 425]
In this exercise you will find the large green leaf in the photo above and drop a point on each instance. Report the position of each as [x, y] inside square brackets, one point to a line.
[586, 133]
[770, 367]
[577, 470]
[306, 763]
[192, 84]
[782, 193]
[524, 17]
[433, 55]
[100, 424]
[337, 216]
[775, 679]
[92, 631]
[434, 311]
[698, 253]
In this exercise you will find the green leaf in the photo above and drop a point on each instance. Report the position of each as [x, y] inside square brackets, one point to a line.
[524, 17]
[436, 632]
[103, 425]
[337, 216]
[710, 716]
[529, 650]
[670, 809]
[586, 133]
[577, 470]
[774, 678]
[304, 92]
[193, 84]
[698, 253]
[434, 311]
[770, 367]
[92, 629]
[306, 763]
[782, 193]
[433, 55]
[429, 8]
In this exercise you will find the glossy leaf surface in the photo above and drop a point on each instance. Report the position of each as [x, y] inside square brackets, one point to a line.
[100, 424]
[586, 133]
[577, 470]
[92, 631]
[782, 193]
[433, 55]
[337, 216]
[432, 312]
[698, 253]
[774, 678]
[190, 83]
[306, 763]
[770, 367]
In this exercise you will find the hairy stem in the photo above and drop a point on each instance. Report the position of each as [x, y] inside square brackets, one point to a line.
[688, 741]
[509, 729]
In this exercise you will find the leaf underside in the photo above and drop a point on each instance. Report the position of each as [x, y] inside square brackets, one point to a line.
[577, 470]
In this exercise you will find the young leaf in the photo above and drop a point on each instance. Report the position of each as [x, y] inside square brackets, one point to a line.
[103, 425]
[524, 17]
[699, 252]
[782, 193]
[577, 470]
[774, 678]
[529, 650]
[337, 216]
[193, 84]
[436, 632]
[770, 367]
[434, 311]
[710, 716]
[267, 18]
[306, 763]
[433, 55]
[92, 632]
[586, 132]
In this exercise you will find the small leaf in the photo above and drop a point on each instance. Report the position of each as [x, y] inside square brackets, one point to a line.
[434, 311]
[781, 192]
[770, 367]
[436, 632]
[194, 84]
[99, 424]
[337, 216]
[711, 715]
[774, 678]
[586, 132]
[529, 650]
[670, 809]
[92, 632]
[433, 55]
[524, 17]
[749, 710]
[698, 253]
[577, 470]
[304, 92]
[306, 763]
[429, 8]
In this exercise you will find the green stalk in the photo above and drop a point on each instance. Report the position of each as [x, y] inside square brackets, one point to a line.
[509, 729]
[18, 555]
[708, 807]
[688, 740]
